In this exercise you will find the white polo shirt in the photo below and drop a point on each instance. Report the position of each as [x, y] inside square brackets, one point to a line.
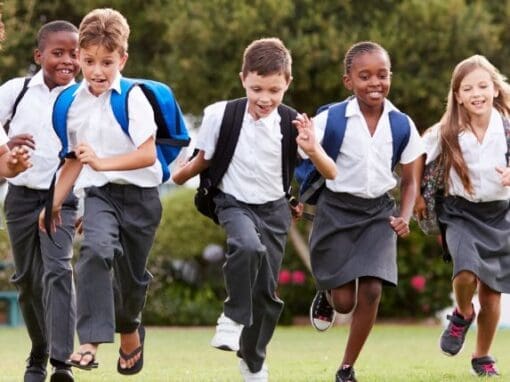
[481, 160]
[33, 116]
[364, 161]
[91, 120]
[255, 172]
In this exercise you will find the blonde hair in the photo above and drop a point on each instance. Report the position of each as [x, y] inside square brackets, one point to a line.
[456, 118]
[104, 27]
[267, 56]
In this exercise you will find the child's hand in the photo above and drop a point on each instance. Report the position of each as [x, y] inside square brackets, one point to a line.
[56, 219]
[420, 208]
[504, 173]
[78, 225]
[178, 173]
[306, 133]
[22, 140]
[296, 208]
[400, 226]
[86, 155]
[18, 159]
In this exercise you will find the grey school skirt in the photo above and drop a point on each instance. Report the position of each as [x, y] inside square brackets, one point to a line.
[351, 238]
[478, 238]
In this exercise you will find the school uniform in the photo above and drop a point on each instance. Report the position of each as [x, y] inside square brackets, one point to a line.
[43, 272]
[253, 210]
[351, 235]
[478, 224]
[122, 211]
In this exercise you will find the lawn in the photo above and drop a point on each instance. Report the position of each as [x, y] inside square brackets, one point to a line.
[393, 353]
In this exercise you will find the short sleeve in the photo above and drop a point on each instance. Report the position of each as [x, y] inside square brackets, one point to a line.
[414, 147]
[432, 142]
[141, 117]
[209, 130]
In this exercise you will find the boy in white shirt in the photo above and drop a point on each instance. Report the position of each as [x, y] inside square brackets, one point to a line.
[43, 271]
[122, 208]
[251, 203]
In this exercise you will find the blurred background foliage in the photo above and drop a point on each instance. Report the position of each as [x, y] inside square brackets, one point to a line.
[196, 47]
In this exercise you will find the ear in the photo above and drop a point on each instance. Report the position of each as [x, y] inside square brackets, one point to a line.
[37, 56]
[289, 82]
[347, 82]
[242, 79]
[123, 61]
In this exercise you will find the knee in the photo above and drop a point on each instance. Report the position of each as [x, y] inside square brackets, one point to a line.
[247, 247]
[343, 302]
[465, 278]
[370, 292]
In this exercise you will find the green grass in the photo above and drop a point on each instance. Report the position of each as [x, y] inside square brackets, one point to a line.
[393, 353]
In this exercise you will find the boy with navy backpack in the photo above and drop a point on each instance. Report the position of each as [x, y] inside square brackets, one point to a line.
[115, 156]
[43, 271]
[354, 235]
[251, 203]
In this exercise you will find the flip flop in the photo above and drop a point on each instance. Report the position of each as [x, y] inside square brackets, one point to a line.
[138, 364]
[89, 366]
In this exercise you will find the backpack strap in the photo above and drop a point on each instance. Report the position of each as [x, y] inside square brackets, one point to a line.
[289, 145]
[227, 140]
[400, 132]
[119, 103]
[334, 133]
[59, 118]
[506, 127]
[16, 102]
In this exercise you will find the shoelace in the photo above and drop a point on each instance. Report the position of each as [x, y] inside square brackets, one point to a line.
[488, 368]
[323, 309]
[456, 330]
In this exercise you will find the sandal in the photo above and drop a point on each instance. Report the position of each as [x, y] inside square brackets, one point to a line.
[139, 350]
[92, 364]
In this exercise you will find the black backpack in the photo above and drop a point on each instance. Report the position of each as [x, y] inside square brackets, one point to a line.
[225, 147]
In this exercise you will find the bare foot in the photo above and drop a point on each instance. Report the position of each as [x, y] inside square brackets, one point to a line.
[128, 343]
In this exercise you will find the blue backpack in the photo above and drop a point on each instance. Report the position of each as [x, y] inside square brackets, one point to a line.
[171, 134]
[310, 180]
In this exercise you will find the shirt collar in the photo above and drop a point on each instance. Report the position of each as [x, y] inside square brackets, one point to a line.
[353, 108]
[38, 80]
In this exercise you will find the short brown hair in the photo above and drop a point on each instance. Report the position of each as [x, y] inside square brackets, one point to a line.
[105, 27]
[267, 56]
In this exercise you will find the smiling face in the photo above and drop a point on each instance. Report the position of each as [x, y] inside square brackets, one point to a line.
[58, 58]
[100, 67]
[476, 92]
[369, 78]
[264, 93]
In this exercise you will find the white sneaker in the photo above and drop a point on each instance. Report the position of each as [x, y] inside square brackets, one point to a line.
[260, 376]
[227, 334]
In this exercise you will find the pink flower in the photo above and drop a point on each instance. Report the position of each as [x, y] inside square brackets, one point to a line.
[418, 283]
[285, 277]
[298, 277]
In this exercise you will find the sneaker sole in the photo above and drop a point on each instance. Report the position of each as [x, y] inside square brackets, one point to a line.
[223, 347]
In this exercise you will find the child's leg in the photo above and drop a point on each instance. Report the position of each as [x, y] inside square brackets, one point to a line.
[141, 214]
[488, 319]
[22, 209]
[464, 287]
[273, 222]
[363, 318]
[59, 295]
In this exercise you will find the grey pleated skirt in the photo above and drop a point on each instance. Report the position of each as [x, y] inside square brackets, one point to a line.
[351, 237]
[478, 238]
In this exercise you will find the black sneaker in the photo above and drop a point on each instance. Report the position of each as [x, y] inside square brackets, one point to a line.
[484, 366]
[452, 339]
[36, 368]
[345, 374]
[62, 373]
[322, 314]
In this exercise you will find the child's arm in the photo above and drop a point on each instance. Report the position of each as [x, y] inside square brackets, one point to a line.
[143, 156]
[66, 179]
[420, 207]
[408, 192]
[14, 161]
[306, 140]
[190, 169]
